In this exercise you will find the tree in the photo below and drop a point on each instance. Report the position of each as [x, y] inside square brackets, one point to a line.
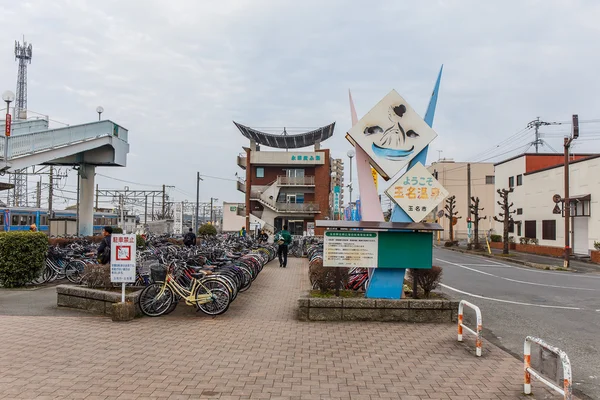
[505, 216]
[476, 218]
[451, 214]
[208, 230]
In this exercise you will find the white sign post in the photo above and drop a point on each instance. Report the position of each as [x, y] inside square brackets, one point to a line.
[417, 192]
[122, 260]
[178, 226]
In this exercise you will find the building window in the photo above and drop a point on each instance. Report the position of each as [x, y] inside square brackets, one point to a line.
[519, 180]
[518, 228]
[511, 227]
[511, 181]
[260, 172]
[490, 179]
[530, 231]
[549, 229]
[519, 211]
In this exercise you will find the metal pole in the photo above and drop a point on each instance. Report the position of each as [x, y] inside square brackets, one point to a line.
[121, 202]
[211, 210]
[97, 197]
[567, 206]
[50, 191]
[196, 227]
[78, 188]
[7, 129]
[152, 215]
[164, 195]
[145, 209]
[469, 199]
[38, 199]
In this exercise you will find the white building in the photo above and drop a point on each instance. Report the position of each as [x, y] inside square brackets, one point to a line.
[536, 178]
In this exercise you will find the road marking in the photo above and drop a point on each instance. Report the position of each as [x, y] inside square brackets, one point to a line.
[534, 270]
[515, 280]
[487, 265]
[508, 301]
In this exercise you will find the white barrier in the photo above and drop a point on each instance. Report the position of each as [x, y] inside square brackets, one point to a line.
[478, 334]
[567, 390]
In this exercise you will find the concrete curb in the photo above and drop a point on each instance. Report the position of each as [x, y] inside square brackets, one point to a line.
[546, 267]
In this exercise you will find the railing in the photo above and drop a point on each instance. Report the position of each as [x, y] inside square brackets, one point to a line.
[478, 334]
[296, 180]
[241, 186]
[31, 143]
[304, 207]
[241, 161]
[567, 389]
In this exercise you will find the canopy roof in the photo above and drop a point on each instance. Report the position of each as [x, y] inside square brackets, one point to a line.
[287, 141]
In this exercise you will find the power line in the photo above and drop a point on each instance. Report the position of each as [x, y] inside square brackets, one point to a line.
[130, 182]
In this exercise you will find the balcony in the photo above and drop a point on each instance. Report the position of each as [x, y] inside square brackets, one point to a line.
[297, 207]
[241, 161]
[241, 186]
[241, 210]
[296, 181]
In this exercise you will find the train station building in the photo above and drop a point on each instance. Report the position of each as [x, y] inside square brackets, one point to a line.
[287, 184]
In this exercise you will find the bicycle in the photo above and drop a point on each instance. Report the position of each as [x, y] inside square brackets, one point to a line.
[161, 298]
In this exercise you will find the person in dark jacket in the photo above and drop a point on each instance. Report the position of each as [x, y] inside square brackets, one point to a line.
[190, 238]
[283, 239]
[102, 255]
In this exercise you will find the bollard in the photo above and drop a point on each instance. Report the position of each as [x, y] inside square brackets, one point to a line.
[567, 389]
[479, 333]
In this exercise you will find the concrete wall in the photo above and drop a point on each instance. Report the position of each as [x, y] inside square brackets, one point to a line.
[453, 176]
[231, 221]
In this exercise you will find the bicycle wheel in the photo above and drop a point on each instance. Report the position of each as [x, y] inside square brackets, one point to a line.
[74, 271]
[153, 303]
[218, 304]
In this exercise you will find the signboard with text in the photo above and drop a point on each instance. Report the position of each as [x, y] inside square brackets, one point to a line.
[417, 192]
[122, 258]
[7, 125]
[178, 225]
[391, 134]
[350, 248]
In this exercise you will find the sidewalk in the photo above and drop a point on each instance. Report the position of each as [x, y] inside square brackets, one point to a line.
[257, 350]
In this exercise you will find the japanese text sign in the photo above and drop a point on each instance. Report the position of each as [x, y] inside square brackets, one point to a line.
[122, 258]
[417, 192]
[391, 134]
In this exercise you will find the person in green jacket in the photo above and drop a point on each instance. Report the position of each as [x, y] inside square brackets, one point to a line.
[283, 239]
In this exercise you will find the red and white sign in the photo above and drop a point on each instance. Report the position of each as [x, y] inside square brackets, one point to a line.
[122, 258]
[8, 121]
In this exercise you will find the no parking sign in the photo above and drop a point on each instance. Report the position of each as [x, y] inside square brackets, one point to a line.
[122, 258]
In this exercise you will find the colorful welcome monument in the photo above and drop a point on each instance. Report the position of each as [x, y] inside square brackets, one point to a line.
[390, 137]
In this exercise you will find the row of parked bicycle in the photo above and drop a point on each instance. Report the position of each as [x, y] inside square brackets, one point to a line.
[323, 278]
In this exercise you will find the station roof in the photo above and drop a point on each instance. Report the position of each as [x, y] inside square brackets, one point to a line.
[287, 141]
[6, 186]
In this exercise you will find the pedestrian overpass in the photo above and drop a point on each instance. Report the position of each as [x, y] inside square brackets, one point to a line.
[96, 144]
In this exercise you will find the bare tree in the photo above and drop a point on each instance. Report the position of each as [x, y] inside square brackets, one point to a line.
[505, 216]
[476, 218]
[451, 214]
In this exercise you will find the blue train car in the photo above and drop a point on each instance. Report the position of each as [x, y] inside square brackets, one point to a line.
[21, 218]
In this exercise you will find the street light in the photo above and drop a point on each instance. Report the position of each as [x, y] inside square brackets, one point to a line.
[99, 110]
[351, 153]
[8, 97]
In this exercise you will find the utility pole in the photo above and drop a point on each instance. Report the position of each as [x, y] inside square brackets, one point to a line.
[567, 206]
[164, 195]
[211, 210]
[50, 191]
[469, 192]
[38, 200]
[96, 197]
[535, 124]
[121, 206]
[198, 179]
[145, 209]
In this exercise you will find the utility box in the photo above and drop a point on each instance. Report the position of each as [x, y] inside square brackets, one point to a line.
[62, 227]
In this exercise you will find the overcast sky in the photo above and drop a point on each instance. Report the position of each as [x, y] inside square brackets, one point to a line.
[176, 73]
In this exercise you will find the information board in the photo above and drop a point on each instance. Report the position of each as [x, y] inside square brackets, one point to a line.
[122, 258]
[350, 249]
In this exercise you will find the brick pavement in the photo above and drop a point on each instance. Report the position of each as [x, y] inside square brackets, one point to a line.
[255, 351]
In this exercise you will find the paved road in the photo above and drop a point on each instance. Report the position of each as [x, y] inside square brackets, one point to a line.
[561, 307]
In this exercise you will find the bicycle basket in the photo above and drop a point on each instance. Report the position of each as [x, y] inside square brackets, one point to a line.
[158, 272]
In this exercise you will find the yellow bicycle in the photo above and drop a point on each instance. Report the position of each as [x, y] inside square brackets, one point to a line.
[210, 295]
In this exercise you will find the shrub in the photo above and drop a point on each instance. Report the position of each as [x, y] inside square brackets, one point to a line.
[97, 276]
[117, 230]
[140, 242]
[323, 278]
[448, 244]
[496, 238]
[22, 257]
[596, 245]
[511, 239]
[208, 230]
[525, 240]
[427, 279]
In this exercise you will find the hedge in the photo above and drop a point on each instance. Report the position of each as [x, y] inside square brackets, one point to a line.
[207, 229]
[22, 257]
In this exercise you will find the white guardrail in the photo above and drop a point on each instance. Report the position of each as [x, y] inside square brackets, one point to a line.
[567, 389]
[478, 334]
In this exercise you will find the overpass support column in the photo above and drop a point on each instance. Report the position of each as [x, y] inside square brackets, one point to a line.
[86, 199]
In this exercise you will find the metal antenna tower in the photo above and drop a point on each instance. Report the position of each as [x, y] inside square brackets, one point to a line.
[23, 53]
[535, 124]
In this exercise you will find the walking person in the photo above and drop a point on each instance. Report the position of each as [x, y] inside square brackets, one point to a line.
[283, 239]
[103, 255]
[190, 238]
